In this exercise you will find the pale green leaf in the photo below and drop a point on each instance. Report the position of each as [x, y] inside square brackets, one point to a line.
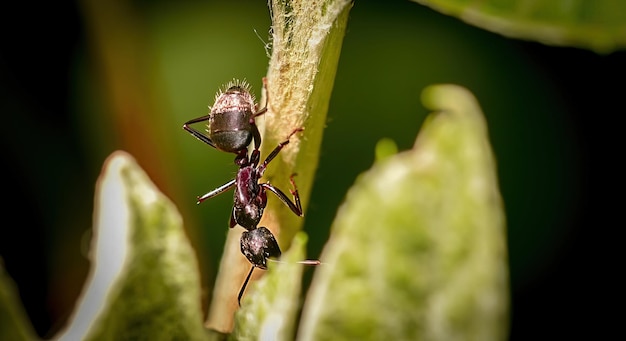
[417, 250]
[144, 281]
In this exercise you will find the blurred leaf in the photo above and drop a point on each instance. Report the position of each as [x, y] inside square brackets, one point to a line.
[417, 251]
[596, 25]
[385, 148]
[270, 305]
[14, 323]
[144, 279]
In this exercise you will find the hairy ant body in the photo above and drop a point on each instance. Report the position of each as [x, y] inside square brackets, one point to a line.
[231, 126]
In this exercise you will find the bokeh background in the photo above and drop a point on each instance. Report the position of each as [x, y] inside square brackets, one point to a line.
[80, 80]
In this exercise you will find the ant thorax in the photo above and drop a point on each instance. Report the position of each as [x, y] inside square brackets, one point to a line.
[250, 198]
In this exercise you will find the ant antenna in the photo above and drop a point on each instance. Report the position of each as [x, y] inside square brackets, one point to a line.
[245, 283]
[305, 262]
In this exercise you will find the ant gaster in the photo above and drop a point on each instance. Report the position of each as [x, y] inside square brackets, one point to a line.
[231, 126]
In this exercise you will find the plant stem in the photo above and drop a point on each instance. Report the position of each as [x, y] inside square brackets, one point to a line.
[306, 43]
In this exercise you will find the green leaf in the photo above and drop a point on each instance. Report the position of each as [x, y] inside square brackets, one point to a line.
[144, 281]
[14, 323]
[596, 25]
[270, 306]
[417, 251]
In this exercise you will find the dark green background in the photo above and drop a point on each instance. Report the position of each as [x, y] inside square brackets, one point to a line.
[551, 113]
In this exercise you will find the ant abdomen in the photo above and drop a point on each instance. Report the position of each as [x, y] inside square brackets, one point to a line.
[231, 126]
[231, 141]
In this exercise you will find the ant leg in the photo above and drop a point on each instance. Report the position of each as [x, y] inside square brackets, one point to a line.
[267, 99]
[223, 188]
[255, 130]
[268, 104]
[294, 193]
[256, 135]
[243, 287]
[199, 135]
[295, 207]
[277, 150]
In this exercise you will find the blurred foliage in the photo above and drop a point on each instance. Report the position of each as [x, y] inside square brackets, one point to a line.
[176, 55]
[599, 25]
[13, 318]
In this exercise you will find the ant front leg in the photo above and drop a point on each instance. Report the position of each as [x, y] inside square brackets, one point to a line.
[223, 188]
[197, 134]
[295, 205]
[277, 150]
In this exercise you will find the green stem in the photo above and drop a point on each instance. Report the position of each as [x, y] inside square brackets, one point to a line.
[306, 43]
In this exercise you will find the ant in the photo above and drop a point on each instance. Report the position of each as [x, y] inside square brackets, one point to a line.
[231, 126]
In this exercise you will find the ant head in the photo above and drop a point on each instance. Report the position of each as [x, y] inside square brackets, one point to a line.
[258, 245]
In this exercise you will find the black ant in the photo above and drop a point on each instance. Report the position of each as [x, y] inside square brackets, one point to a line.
[231, 126]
